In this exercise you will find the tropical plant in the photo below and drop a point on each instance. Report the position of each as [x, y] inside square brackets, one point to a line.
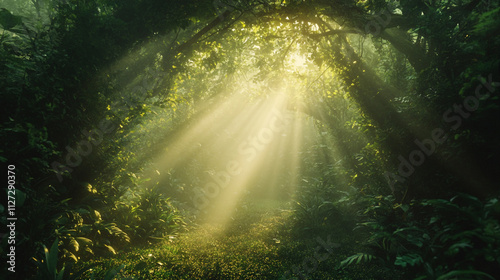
[147, 215]
[83, 233]
[457, 237]
[48, 268]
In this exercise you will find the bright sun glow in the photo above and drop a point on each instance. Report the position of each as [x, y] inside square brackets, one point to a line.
[297, 62]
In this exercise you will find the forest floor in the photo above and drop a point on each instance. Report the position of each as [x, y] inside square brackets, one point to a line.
[260, 242]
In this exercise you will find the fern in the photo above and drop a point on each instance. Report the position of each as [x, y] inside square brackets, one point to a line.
[409, 259]
[459, 274]
[358, 258]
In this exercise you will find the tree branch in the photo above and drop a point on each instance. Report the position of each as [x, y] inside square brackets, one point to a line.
[335, 32]
[169, 57]
[202, 32]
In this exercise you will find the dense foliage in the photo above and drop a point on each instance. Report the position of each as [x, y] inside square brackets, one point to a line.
[119, 116]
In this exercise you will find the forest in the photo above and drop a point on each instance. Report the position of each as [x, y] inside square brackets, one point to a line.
[250, 139]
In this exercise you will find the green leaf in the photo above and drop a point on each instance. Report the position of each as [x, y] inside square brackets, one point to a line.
[358, 258]
[20, 198]
[84, 240]
[456, 273]
[74, 244]
[8, 20]
[410, 259]
[51, 258]
[113, 272]
[110, 249]
[60, 275]
[464, 244]
[405, 207]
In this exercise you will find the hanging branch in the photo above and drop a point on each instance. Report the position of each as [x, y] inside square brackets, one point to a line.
[202, 32]
[336, 32]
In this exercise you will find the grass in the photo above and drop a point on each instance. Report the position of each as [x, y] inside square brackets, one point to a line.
[259, 243]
